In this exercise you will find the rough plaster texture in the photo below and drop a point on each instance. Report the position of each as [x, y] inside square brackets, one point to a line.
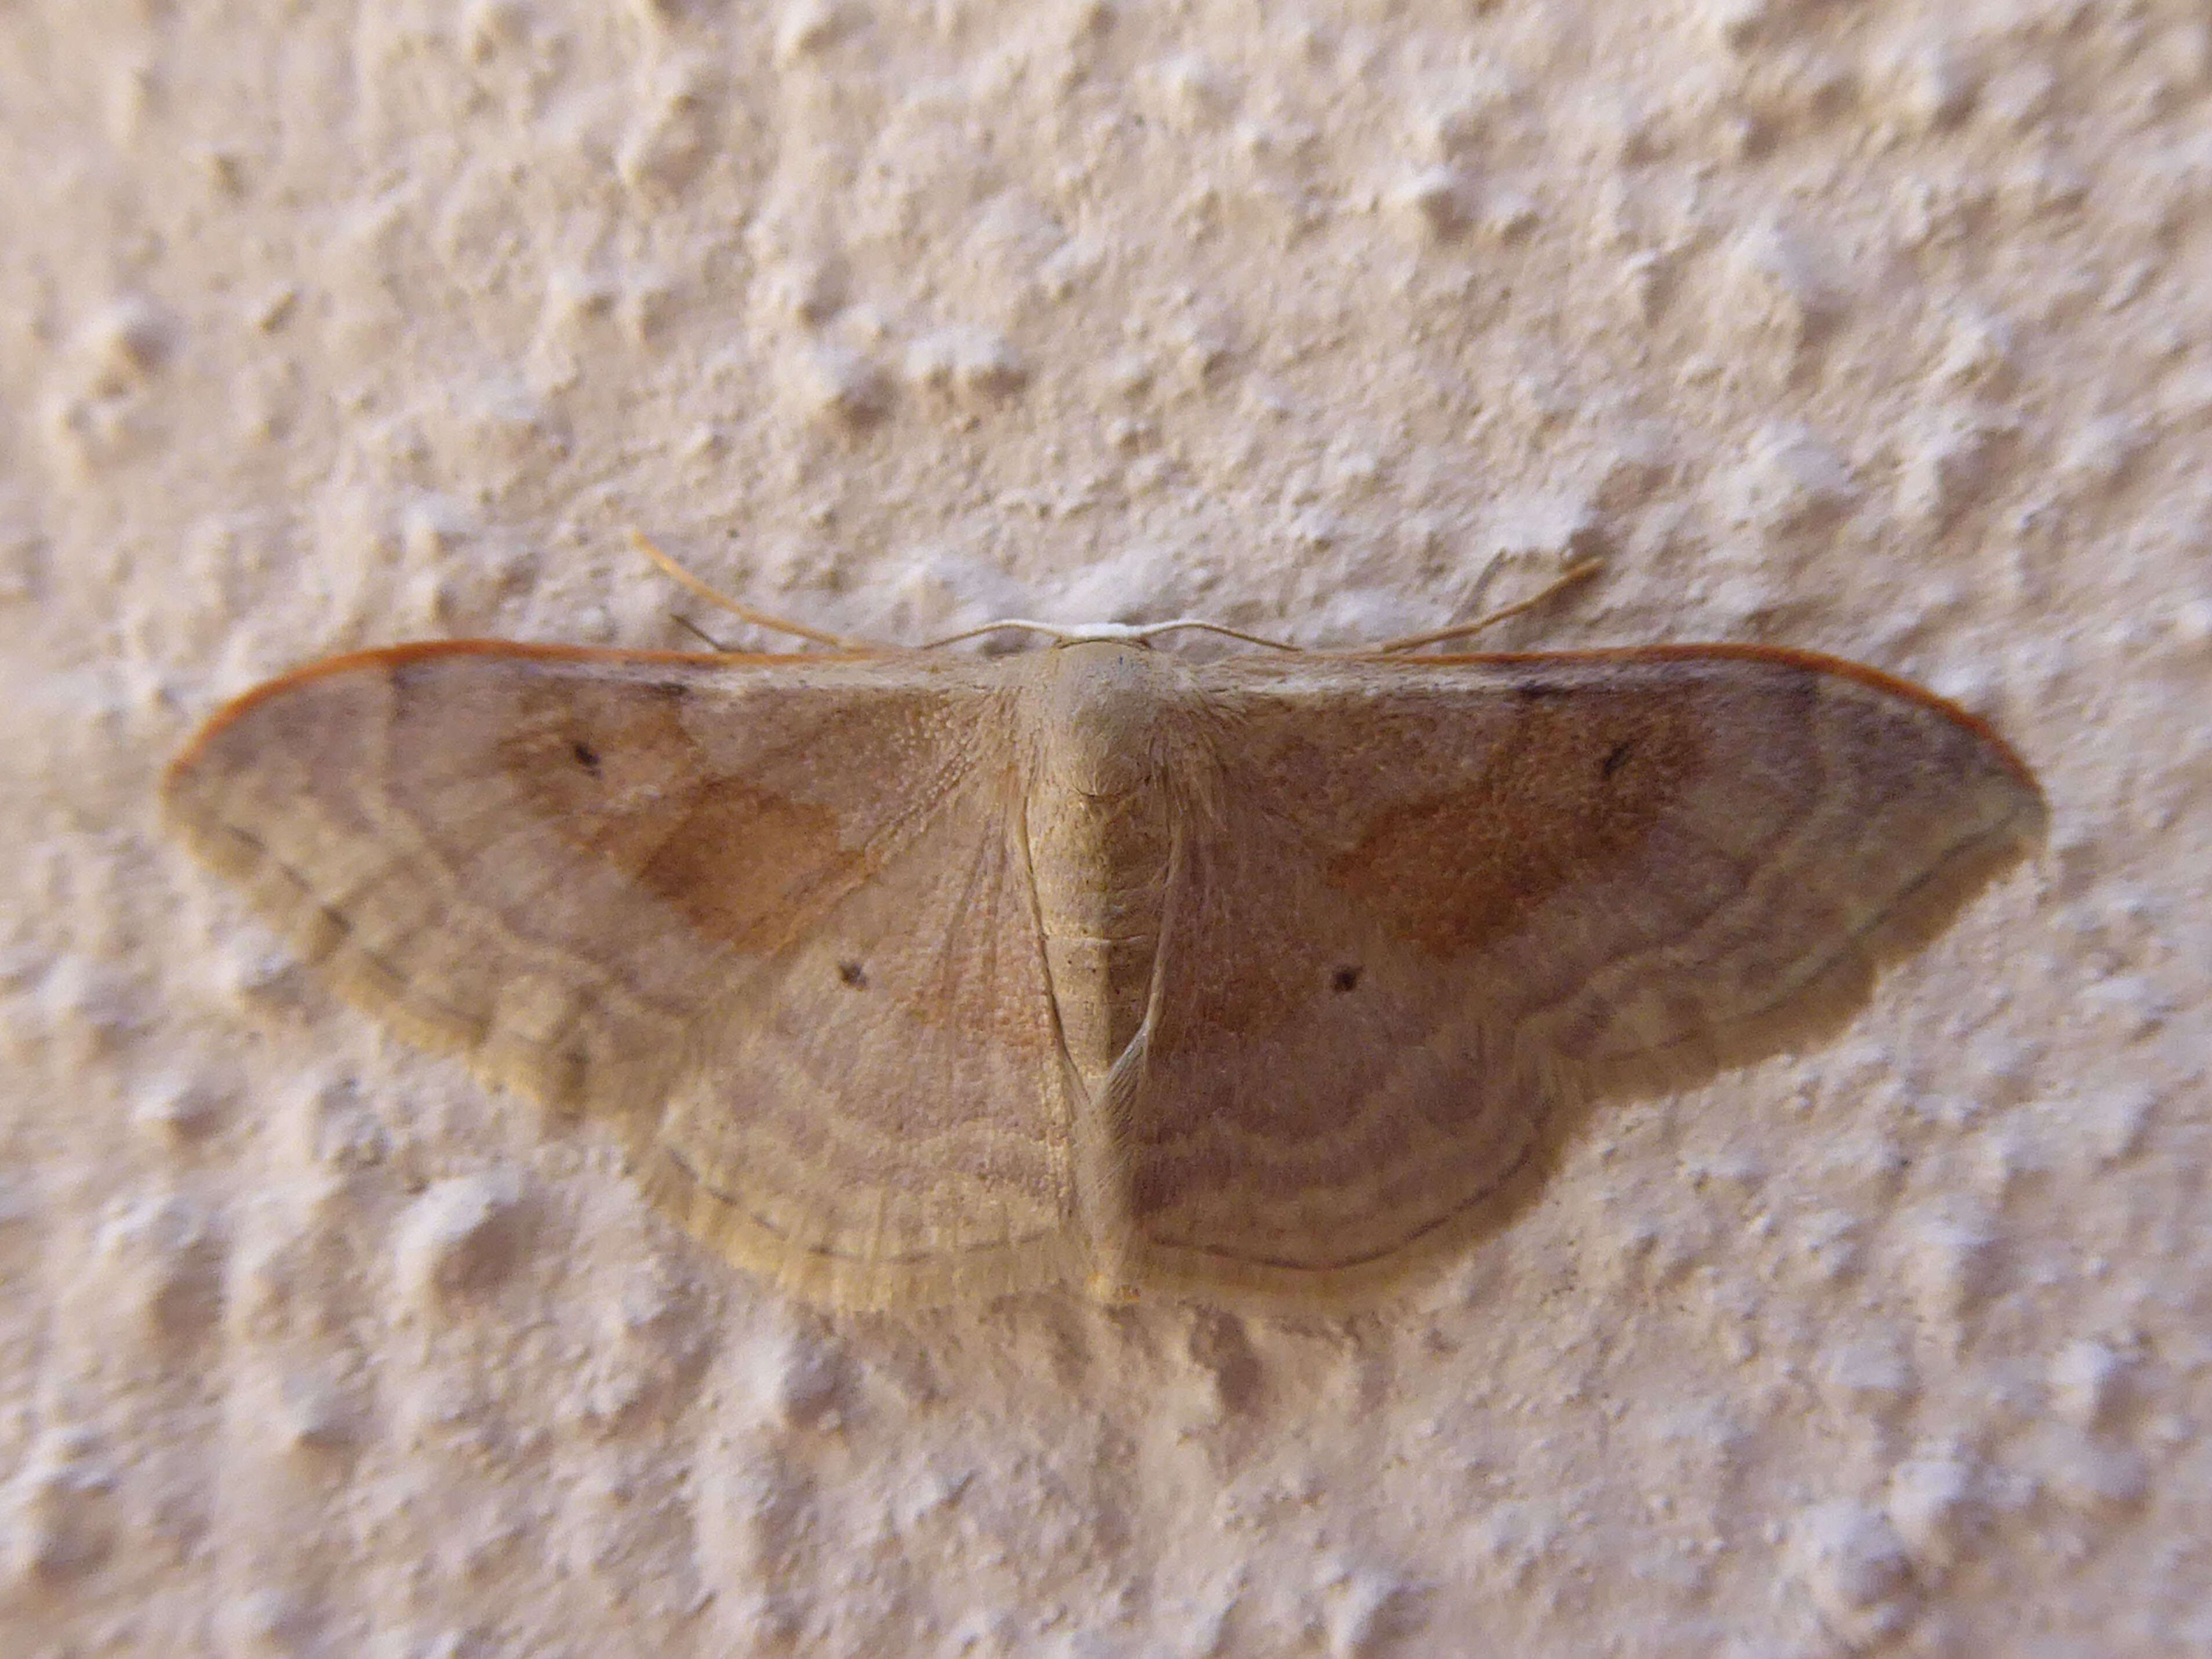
[1878, 328]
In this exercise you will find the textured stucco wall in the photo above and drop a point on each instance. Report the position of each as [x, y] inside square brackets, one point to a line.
[1879, 328]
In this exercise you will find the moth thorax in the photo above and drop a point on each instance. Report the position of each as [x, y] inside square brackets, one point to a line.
[1106, 716]
[1100, 823]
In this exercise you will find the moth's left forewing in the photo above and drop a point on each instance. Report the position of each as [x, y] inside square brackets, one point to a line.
[757, 914]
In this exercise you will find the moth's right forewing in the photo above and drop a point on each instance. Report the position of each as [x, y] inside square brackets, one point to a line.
[1435, 901]
[1653, 862]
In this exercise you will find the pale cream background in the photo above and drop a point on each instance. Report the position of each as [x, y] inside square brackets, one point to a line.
[1880, 328]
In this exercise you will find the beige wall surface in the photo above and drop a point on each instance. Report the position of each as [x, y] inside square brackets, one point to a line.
[1879, 328]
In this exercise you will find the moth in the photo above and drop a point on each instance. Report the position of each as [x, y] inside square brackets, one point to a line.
[910, 976]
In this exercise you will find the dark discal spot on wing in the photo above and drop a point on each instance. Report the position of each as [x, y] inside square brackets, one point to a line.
[853, 974]
[1576, 787]
[1345, 978]
[613, 771]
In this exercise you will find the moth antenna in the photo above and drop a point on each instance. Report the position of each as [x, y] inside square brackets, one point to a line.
[639, 540]
[712, 644]
[1200, 625]
[1573, 576]
[1075, 633]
